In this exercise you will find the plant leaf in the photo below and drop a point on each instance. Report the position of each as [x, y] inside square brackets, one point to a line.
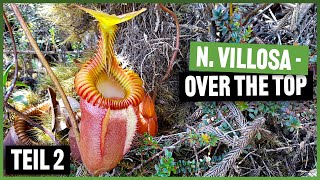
[5, 75]
[21, 84]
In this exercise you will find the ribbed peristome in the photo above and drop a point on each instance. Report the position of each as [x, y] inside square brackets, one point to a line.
[27, 134]
[97, 70]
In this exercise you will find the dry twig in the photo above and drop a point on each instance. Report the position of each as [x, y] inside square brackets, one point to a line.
[49, 70]
[15, 57]
[176, 50]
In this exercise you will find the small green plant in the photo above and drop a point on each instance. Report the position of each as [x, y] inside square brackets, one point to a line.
[192, 167]
[73, 170]
[20, 98]
[149, 142]
[148, 147]
[201, 139]
[269, 108]
[166, 166]
[263, 109]
[292, 123]
[242, 105]
[185, 167]
[231, 26]
[253, 112]
[5, 77]
[224, 127]
[208, 108]
[53, 37]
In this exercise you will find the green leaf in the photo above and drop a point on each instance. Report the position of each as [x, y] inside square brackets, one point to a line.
[224, 30]
[259, 135]
[251, 116]
[242, 105]
[174, 171]
[214, 18]
[165, 170]
[313, 59]
[5, 75]
[167, 153]
[10, 100]
[21, 99]
[21, 84]
[237, 16]
[156, 167]
[234, 35]
[288, 123]
[161, 161]
[225, 16]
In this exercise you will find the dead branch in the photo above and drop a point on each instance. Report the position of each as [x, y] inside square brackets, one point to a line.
[257, 11]
[49, 70]
[176, 50]
[15, 57]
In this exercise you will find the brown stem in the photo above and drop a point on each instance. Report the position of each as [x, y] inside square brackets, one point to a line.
[15, 57]
[30, 121]
[175, 52]
[49, 70]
